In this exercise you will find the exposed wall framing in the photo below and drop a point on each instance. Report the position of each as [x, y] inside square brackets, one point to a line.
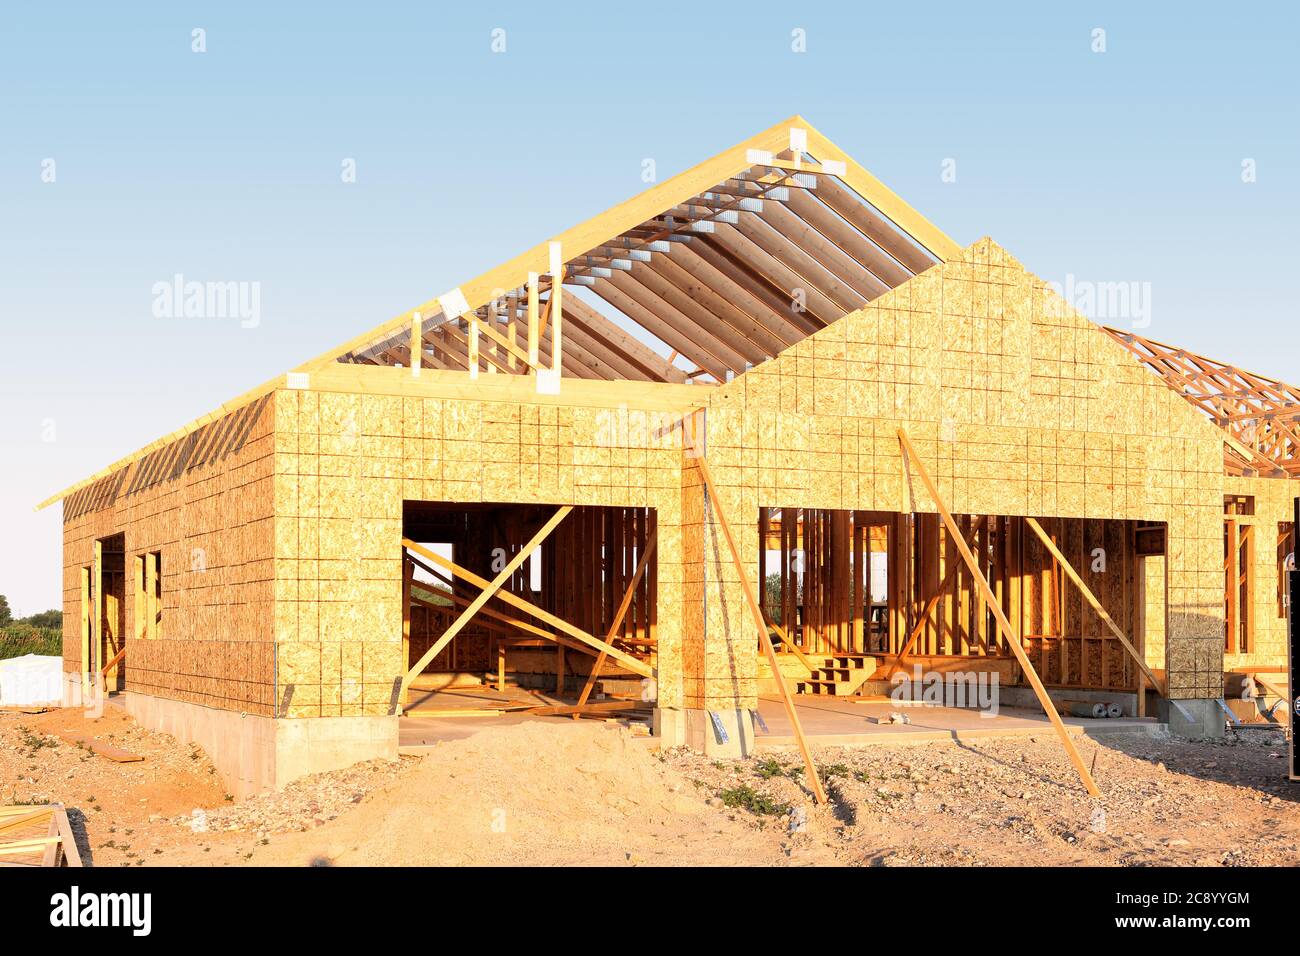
[586, 568]
[823, 589]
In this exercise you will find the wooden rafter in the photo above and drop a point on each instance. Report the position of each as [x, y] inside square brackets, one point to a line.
[738, 214]
[1260, 416]
[664, 273]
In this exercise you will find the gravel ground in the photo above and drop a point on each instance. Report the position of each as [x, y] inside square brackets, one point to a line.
[1164, 800]
[583, 793]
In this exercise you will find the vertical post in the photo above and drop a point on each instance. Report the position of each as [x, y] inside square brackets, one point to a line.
[557, 288]
[1230, 585]
[763, 603]
[95, 662]
[85, 633]
[151, 594]
[512, 315]
[408, 573]
[473, 346]
[139, 601]
[417, 344]
[534, 311]
[857, 596]
[1247, 600]
[1292, 628]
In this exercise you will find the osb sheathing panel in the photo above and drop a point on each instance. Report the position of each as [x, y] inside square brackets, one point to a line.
[1017, 405]
[345, 462]
[1153, 610]
[214, 527]
[1274, 506]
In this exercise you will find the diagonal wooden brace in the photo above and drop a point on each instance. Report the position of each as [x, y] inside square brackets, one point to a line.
[627, 660]
[514, 564]
[990, 601]
[1096, 604]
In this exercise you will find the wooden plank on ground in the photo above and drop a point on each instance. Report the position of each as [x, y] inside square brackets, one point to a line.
[116, 754]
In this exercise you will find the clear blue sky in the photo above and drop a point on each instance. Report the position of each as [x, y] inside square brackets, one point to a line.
[1119, 166]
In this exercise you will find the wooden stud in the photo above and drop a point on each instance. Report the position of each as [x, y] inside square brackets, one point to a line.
[92, 662]
[534, 328]
[555, 306]
[408, 576]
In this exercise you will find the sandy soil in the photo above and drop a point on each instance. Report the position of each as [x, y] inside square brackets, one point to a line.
[564, 792]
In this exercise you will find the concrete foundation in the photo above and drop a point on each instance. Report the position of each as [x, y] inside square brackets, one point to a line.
[674, 727]
[255, 753]
[736, 739]
[1025, 697]
[1193, 718]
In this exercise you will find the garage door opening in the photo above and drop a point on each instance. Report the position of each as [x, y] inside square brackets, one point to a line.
[522, 611]
[853, 598]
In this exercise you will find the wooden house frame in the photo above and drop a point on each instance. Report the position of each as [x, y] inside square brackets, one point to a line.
[751, 347]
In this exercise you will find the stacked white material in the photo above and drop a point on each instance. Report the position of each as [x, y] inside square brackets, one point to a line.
[33, 680]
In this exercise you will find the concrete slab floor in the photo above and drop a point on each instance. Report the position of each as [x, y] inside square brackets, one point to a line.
[826, 721]
[834, 722]
[426, 727]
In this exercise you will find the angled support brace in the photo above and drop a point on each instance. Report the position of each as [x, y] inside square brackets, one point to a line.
[765, 639]
[623, 607]
[990, 602]
[546, 617]
[524, 553]
[1096, 605]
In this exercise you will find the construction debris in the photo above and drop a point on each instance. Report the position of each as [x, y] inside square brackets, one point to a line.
[37, 836]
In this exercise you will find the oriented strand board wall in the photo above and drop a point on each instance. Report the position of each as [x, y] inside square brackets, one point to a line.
[1153, 611]
[1274, 504]
[344, 463]
[1017, 404]
[213, 525]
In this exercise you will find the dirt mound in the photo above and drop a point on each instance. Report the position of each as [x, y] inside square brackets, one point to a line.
[531, 793]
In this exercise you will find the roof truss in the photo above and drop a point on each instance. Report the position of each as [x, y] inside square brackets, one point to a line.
[696, 279]
[1260, 415]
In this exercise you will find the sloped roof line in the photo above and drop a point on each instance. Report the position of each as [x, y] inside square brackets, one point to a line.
[581, 239]
[917, 239]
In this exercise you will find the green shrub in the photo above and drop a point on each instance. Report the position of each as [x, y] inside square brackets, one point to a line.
[750, 799]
